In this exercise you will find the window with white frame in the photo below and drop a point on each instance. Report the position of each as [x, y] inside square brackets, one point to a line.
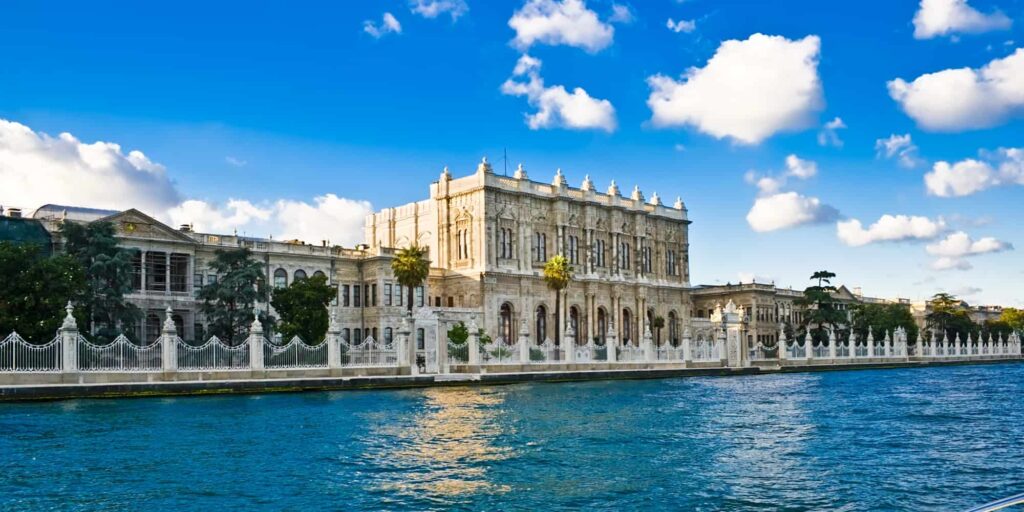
[540, 247]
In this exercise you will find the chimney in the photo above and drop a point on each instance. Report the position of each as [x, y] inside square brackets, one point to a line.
[14, 213]
[185, 228]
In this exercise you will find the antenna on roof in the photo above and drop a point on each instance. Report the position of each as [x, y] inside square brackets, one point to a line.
[504, 152]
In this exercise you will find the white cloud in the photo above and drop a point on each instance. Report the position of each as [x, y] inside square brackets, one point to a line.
[946, 263]
[566, 22]
[964, 99]
[433, 8]
[237, 162]
[388, 25]
[621, 14]
[555, 106]
[945, 17]
[800, 168]
[900, 147]
[796, 167]
[36, 169]
[786, 210]
[748, 91]
[829, 136]
[686, 26]
[969, 176]
[960, 244]
[751, 277]
[889, 228]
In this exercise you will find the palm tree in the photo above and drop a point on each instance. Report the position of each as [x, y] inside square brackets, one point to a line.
[557, 274]
[411, 268]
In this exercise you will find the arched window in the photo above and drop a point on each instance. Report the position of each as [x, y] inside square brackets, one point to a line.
[346, 334]
[152, 328]
[388, 335]
[505, 322]
[319, 273]
[300, 274]
[358, 334]
[627, 326]
[421, 339]
[673, 328]
[650, 325]
[602, 325]
[541, 325]
[574, 322]
[280, 278]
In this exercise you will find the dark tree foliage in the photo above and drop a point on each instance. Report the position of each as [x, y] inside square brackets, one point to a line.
[34, 290]
[822, 311]
[228, 303]
[108, 276]
[458, 334]
[301, 308]
[949, 318]
[883, 318]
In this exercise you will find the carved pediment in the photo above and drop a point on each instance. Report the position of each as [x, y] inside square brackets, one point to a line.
[135, 224]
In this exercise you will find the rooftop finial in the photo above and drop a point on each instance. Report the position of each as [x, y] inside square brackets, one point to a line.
[520, 173]
[559, 180]
[613, 189]
[484, 167]
[446, 175]
[587, 184]
[637, 195]
[679, 204]
[655, 199]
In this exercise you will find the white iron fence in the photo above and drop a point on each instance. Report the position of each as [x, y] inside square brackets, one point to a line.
[212, 355]
[500, 352]
[18, 355]
[295, 354]
[120, 355]
[369, 353]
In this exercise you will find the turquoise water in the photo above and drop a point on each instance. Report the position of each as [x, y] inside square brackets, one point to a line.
[913, 439]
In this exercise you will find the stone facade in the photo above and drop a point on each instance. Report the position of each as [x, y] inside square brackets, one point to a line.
[489, 237]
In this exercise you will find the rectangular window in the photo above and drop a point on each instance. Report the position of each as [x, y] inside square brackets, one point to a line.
[156, 271]
[356, 297]
[197, 283]
[400, 290]
[366, 295]
[179, 272]
[419, 296]
[344, 296]
[540, 247]
[387, 294]
[137, 270]
[373, 295]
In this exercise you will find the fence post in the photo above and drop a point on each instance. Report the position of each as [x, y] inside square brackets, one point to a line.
[524, 342]
[869, 343]
[169, 347]
[888, 344]
[406, 348]
[832, 343]
[69, 342]
[569, 344]
[723, 351]
[611, 342]
[808, 345]
[648, 341]
[474, 343]
[781, 344]
[687, 349]
[333, 341]
[256, 342]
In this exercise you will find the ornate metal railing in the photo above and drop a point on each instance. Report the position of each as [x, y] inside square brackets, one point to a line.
[499, 352]
[212, 355]
[295, 354]
[120, 355]
[18, 355]
[369, 353]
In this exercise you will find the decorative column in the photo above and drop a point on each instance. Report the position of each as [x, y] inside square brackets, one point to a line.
[687, 349]
[334, 342]
[69, 342]
[524, 342]
[870, 342]
[649, 354]
[808, 346]
[832, 343]
[611, 342]
[852, 344]
[169, 343]
[569, 344]
[474, 343]
[406, 347]
[886, 341]
[256, 342]
[723, 355]
[781, 344]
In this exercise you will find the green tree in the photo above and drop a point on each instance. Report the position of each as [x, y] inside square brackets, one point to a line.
[458, 334]
[883, 318]
[228, 303]
[301, 308]
[1014, 318]
[557, 275]
[108, 276]
[34, 290]
[950, 317]
[658, 324]
[821, 306]
[411, 268]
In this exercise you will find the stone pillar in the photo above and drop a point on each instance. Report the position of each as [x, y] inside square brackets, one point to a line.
[69, 342]
[333, 341]
[887, 341]
[687, 349]
[832, 343]
[781, 343]
[808, 345]
[524, 342]
[256, 342]
[406, 346]
[169, 344]
[167, 272]
[870, 342]
[852, 344]
[569, 344]
[612, 343]
[649, 354]
[474, 343]
[723, 350]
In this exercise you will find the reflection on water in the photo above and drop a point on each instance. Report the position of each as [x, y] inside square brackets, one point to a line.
[445, 449]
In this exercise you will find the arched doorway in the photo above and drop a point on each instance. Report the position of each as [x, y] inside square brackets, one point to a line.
[627, 326]
[602, 325]
[540, 326]
[673, 328]
[574, 322]
[505, 322]
[651, 327]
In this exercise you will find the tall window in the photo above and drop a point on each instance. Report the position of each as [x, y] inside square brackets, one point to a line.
[421, 336]
[505, 322]
[599, 252]
[346, 334]
[574, 322]
[137, 270]
[602, 325]
[673, 328]
[462, 244]
[624, 255]
[388, 335]
[300, 274]
[373, 295]
[505, 243]
[359, 335]
[344, 296]
[574, 249]
[280, 278]
[647, 259]
[541, 325]
[419, 296]
[627, 326]
[540, 247]
[357, 299]
[670, 262]
[387, 294]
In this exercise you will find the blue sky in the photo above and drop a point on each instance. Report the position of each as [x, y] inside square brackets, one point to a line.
[278, 105]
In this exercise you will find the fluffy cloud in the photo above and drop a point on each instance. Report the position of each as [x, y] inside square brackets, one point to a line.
[964, 99]
[751, 277]
[900, 147]
[944, 17]
[36, 169]
[960, 244]
[946, 263]
[800, 168]
[686, 26]
[829, 136]
[566, 22]
[788, 209]
[621, 14]
[889, 228]
[434, 8]
[748, 91]
[387, 25]
[555, 106]
[796, 167]
[968, 176]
